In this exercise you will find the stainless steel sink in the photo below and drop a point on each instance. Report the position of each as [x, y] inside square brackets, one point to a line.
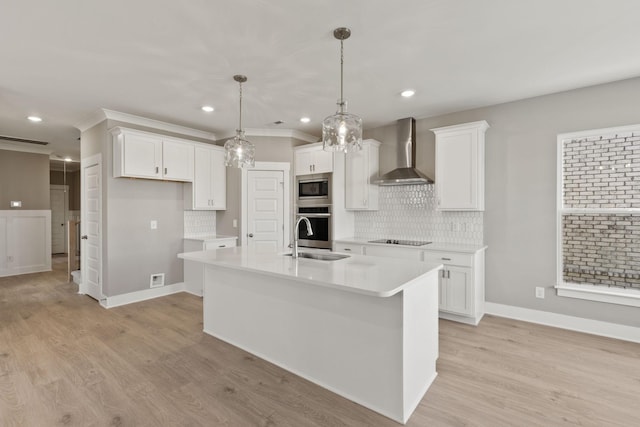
[320, 256]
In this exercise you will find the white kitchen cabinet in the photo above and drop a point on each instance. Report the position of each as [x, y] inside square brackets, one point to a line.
[311, 158]
[461, 285]
[194, 271]
[460, 166]
[209, 187]
[138, 154]
[461, 282]
[361, 167]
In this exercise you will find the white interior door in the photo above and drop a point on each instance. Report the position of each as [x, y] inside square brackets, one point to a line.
[91, 224]
[265, 209]
[59, 209]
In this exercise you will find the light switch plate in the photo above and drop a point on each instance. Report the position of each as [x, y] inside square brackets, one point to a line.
[16, 203]
[154, 224]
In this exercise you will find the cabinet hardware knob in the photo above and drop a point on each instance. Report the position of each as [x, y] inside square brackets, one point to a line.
[85, 237]
[446, 259]
[222, 246]
[347, 249]
[157, 169]
[165, 171]
[250, 234]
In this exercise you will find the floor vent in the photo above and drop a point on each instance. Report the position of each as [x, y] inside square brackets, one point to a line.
[157, 280]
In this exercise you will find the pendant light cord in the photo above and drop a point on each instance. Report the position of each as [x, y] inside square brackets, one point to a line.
[341, 74]
[240, 115]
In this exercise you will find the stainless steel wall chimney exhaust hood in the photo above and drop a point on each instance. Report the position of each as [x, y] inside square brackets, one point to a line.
[406, 172]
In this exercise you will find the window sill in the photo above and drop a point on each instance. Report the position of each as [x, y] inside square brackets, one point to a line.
[630, 297]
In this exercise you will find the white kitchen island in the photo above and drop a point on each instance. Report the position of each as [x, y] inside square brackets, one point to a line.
[364, 327]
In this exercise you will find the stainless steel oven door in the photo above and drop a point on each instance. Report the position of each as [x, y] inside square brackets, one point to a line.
[320, 219]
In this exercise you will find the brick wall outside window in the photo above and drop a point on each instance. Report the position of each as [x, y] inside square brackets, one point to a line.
[599, 247]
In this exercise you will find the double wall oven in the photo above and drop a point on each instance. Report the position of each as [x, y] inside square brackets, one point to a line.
[313, 200]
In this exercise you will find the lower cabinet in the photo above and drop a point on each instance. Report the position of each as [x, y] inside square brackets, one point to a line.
[461, 284]
[194, 271]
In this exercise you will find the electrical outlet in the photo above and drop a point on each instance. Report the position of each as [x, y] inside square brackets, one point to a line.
[539, 292]
[235, 223]
[154, 224]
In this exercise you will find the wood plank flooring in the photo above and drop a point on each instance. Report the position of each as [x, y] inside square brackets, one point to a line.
[64, 360]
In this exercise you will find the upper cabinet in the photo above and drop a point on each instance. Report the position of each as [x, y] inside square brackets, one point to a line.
[460, 166]
[209, 188]
[311, 159]
[138, 154]
[361, 167]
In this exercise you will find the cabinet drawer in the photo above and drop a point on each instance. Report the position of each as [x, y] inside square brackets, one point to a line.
[217, 244]
[449, 258]
[350, 248]
[392, 251]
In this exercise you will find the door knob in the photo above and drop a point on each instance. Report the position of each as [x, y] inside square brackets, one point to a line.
[250, 234]
[85, 237]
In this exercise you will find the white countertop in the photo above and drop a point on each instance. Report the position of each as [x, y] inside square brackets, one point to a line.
[367, 275]
[209, 237]
[444, 247]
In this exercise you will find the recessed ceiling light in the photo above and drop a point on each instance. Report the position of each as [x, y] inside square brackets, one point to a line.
[34, 119]
[305, 119]
[207, 108]
[407, 93]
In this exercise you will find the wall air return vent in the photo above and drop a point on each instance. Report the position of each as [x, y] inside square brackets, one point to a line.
[25, 141]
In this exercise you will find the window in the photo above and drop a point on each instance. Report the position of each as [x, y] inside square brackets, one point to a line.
[599, 215]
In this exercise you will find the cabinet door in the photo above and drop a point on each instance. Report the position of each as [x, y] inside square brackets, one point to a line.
[322, 161]
[202, 179]
[304, 162]
[141, 156]
[457, 170]
[356, 179]
[177, 160]
[218, 180]
[458, 295]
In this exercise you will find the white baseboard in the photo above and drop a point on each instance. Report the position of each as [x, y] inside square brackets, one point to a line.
[595, 327]
[124, 299]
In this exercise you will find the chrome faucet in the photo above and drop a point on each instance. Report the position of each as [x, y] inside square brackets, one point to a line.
[294, 250]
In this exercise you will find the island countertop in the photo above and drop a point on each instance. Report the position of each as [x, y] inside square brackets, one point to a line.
[366, 275]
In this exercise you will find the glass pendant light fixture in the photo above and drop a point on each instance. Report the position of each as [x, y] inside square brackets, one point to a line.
[342, 131]
[239, 152]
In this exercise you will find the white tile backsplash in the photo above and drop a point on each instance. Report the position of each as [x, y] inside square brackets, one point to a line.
[199, 223]
[409, 212]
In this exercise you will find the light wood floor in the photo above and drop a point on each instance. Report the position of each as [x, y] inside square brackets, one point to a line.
[64, 360]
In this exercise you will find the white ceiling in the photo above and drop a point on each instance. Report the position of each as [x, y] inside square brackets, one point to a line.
[163, 59]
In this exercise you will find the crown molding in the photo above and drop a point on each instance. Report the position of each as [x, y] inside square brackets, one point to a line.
[279, 133]
[104, 114]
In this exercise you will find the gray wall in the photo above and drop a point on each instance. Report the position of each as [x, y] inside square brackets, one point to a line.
[520, 192]
[25, 177]
[132, 251]
[268, 149]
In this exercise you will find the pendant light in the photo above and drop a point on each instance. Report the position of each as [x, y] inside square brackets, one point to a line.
[239, 152]
[342, 131]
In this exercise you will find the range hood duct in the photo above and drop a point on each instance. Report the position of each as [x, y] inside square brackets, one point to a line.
[406, 172]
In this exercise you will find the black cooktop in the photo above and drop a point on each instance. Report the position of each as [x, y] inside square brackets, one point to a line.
[400, 242]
